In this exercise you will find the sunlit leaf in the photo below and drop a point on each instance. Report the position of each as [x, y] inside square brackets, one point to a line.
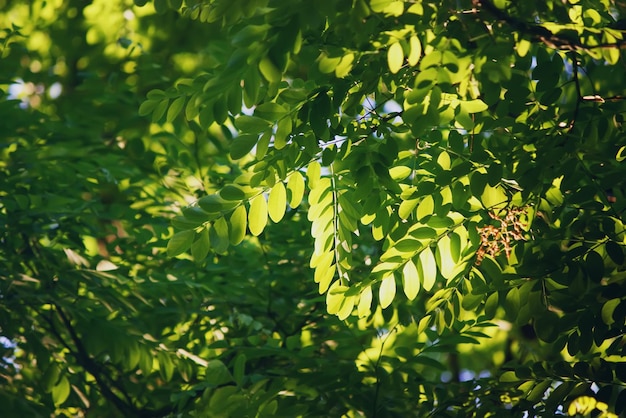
[395, 57]
[269, 70]
[365, 302]
[387, 290]
[427, 267]
[61, 391]
[257, 216]
[410, 280]
[416, 51]
[335, 297]
[277, 202]
[425, 208]
[295, 189]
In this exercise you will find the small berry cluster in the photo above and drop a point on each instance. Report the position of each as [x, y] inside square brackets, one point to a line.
[493, 239]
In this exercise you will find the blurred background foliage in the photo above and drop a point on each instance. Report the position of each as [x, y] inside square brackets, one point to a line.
[95, 318]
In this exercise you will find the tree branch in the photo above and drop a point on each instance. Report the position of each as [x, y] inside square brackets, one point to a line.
[540, 33]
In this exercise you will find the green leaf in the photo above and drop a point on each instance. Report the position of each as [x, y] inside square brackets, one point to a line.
[270, 111]
[395, 57]
[50, 377]
[61, 391]
[251, 124]
[615, 252]
[277, 202]
[214, 203]
[159, 110]
[232, 192]
[218, 236]
[607, 310]
[547, 326]
[249, 34]
[175, 108]
[217, 373]
[239, 368]
[283, 129]
[200, 247]
[319, 115]
[270, 71]
[295, 189]
[594, 265]
[387, 290]
[257, 216]
[328, 64]
[410, 280]
[148, 107]
[238, 223]
[180, 243]
[512, 303]
[242, 145]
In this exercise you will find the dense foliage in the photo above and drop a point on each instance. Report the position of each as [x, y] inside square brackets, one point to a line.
[294, 208]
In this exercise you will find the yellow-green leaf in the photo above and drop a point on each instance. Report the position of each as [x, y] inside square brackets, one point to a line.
[387, 290]
[269, 70]
[493, 197]
[313, 173]
[61, 391]
[344, 66]
[365, 302]
[257, 217]
[473, 106]
[347, 306]
[425, 207]
[444, 257]
[410, 280]
[416, 51]
[295, 189]
[324, 276]
[277, 202]
[428, 268]
[395, 57]
[335, 297]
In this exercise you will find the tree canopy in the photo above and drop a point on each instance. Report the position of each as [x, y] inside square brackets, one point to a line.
[366, 208]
